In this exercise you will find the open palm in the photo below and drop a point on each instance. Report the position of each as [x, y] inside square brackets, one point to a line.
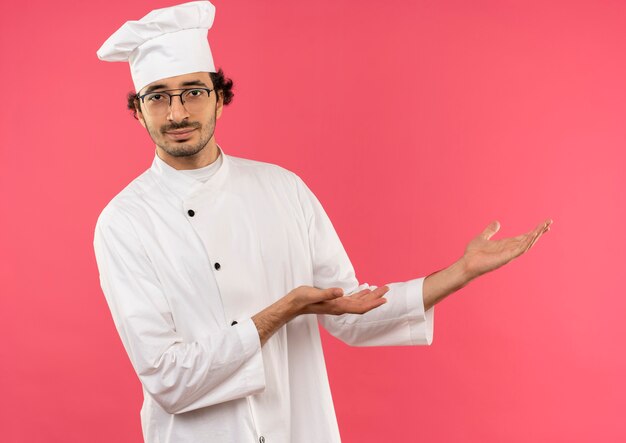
[483, 254]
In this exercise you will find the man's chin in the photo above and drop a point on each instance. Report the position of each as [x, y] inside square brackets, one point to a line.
[180, 154]
[182, 151]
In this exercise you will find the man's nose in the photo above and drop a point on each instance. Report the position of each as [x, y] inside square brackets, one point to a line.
[177, 111]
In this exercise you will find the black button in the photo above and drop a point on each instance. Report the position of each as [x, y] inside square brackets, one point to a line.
[234, 323]
[261, 439]
[191, 213]
[217, 266]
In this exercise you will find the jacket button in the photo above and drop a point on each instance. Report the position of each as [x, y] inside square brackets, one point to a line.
[234, 323]
[191, 213]
[217, 266]
[261, 439]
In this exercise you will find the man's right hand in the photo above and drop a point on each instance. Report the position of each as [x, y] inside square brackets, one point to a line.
[310, 300]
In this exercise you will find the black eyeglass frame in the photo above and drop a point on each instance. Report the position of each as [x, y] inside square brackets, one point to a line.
[165, 92]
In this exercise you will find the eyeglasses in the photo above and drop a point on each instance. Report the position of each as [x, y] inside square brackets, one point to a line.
[157, 103]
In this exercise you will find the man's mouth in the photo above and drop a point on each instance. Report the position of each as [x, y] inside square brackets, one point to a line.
[180, 134]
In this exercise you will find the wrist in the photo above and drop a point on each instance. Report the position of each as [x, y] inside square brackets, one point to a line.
[458, 274]
[463, 271]
[275, 316]
[289, 307]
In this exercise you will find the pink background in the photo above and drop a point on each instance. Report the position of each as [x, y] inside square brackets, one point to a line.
[416, 123]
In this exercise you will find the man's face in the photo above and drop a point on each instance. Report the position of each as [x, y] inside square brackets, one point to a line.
[177, 132]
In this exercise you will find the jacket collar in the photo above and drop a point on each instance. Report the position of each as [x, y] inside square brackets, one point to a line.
[184, 186]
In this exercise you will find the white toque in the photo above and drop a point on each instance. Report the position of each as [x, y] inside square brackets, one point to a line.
[166, 42]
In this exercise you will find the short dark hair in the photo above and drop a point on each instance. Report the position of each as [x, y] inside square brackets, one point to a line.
[221, 84]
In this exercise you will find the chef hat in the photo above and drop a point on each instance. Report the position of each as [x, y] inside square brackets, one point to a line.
[166, 42]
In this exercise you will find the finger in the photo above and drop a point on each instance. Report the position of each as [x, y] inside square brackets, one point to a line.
[528, 239]
[531, 241]
[361, 294]
[525, 241]
[537, 237]
[540, 227]
[548, 224]
[531, 234]
[373, 304]
[364, 306]
[377, 293]
[337, 292]
[491, 229]
[540, 230]
[345, 305]
[330, 293]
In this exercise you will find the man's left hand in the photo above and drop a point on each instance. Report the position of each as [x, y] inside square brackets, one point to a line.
[483, 254]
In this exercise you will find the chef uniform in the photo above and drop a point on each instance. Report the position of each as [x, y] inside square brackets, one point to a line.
[186, 261]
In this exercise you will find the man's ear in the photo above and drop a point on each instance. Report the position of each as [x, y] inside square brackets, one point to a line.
[139, 114]
[219, 106]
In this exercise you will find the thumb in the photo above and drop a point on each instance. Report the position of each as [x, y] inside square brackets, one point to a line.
[331, 293]
[491, 229]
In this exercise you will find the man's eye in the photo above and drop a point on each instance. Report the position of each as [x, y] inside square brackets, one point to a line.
[155, 97]
[195, 92]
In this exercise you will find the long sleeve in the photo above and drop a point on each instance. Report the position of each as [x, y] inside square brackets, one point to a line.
[400, 321]
[179, 375]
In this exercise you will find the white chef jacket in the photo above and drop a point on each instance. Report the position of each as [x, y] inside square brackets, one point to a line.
[184, 265]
